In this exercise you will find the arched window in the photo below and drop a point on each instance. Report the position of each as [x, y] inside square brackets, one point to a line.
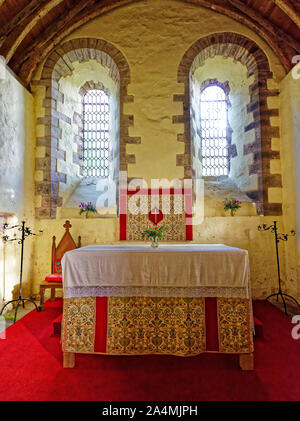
[213, 122]
[96, 133]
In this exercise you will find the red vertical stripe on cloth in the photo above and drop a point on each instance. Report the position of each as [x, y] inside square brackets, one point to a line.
[189, 232]
[211, 324]
[101, 324]
[123, 214]
[188, 203]
[123, 227]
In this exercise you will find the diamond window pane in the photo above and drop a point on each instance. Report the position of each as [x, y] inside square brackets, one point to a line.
[213, 119]
[96, 142]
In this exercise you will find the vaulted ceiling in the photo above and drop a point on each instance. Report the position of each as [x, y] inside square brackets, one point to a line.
[29, 29]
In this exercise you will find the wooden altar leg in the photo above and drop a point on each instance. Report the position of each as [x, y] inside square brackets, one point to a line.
[52, 294]
[69, 360]
[247, 361]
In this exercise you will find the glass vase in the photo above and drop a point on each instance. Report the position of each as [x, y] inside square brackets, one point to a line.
[154, 242]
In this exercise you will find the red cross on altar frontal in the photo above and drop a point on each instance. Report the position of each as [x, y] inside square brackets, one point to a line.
[155, 216]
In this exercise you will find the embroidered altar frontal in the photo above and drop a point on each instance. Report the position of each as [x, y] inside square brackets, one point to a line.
[156, 325]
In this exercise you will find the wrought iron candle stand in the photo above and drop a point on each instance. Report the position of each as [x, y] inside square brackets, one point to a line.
[279, 237]
[26, 232]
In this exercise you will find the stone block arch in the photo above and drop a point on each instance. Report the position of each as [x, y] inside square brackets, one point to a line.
[59, 64]
[248, 53]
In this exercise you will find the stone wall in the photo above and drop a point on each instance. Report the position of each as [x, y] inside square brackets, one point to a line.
[290, 152]
[17, 138]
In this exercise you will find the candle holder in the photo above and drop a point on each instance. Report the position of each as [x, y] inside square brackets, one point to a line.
[279, 237]
[25, 232]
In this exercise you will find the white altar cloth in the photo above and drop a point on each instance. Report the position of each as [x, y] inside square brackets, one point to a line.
[171, 270]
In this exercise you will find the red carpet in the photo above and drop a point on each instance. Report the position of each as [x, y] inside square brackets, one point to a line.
[57, 325]
[31, 364]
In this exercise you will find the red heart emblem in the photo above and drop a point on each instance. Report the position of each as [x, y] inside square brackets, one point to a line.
[155, 216]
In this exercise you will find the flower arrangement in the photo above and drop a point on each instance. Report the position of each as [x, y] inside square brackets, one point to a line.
[86, 208]
[155, 232]
[232, 204]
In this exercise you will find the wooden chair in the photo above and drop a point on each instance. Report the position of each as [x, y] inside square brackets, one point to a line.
[54, 280]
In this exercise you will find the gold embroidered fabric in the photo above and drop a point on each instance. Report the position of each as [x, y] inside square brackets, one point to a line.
[154, 325]
[79, 324]
[140, 325]
[234, 324]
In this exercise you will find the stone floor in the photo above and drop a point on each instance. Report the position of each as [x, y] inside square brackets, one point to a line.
[292, 308]
[9, 316]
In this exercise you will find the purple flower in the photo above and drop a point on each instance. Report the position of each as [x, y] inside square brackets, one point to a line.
[85, 207]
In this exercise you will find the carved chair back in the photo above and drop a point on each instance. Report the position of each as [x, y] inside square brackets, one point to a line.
[66, 243]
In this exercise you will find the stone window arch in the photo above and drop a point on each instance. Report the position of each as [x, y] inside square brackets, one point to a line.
[258, 150]
[60, 64]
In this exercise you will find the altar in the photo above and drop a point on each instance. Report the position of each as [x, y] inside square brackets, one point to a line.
[179, 299]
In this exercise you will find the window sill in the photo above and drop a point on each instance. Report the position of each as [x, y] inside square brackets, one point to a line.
[86, 191]
[106, 213]
[215, 178]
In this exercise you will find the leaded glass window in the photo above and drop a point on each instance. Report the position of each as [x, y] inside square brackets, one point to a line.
[213, 120]
[96, 143]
